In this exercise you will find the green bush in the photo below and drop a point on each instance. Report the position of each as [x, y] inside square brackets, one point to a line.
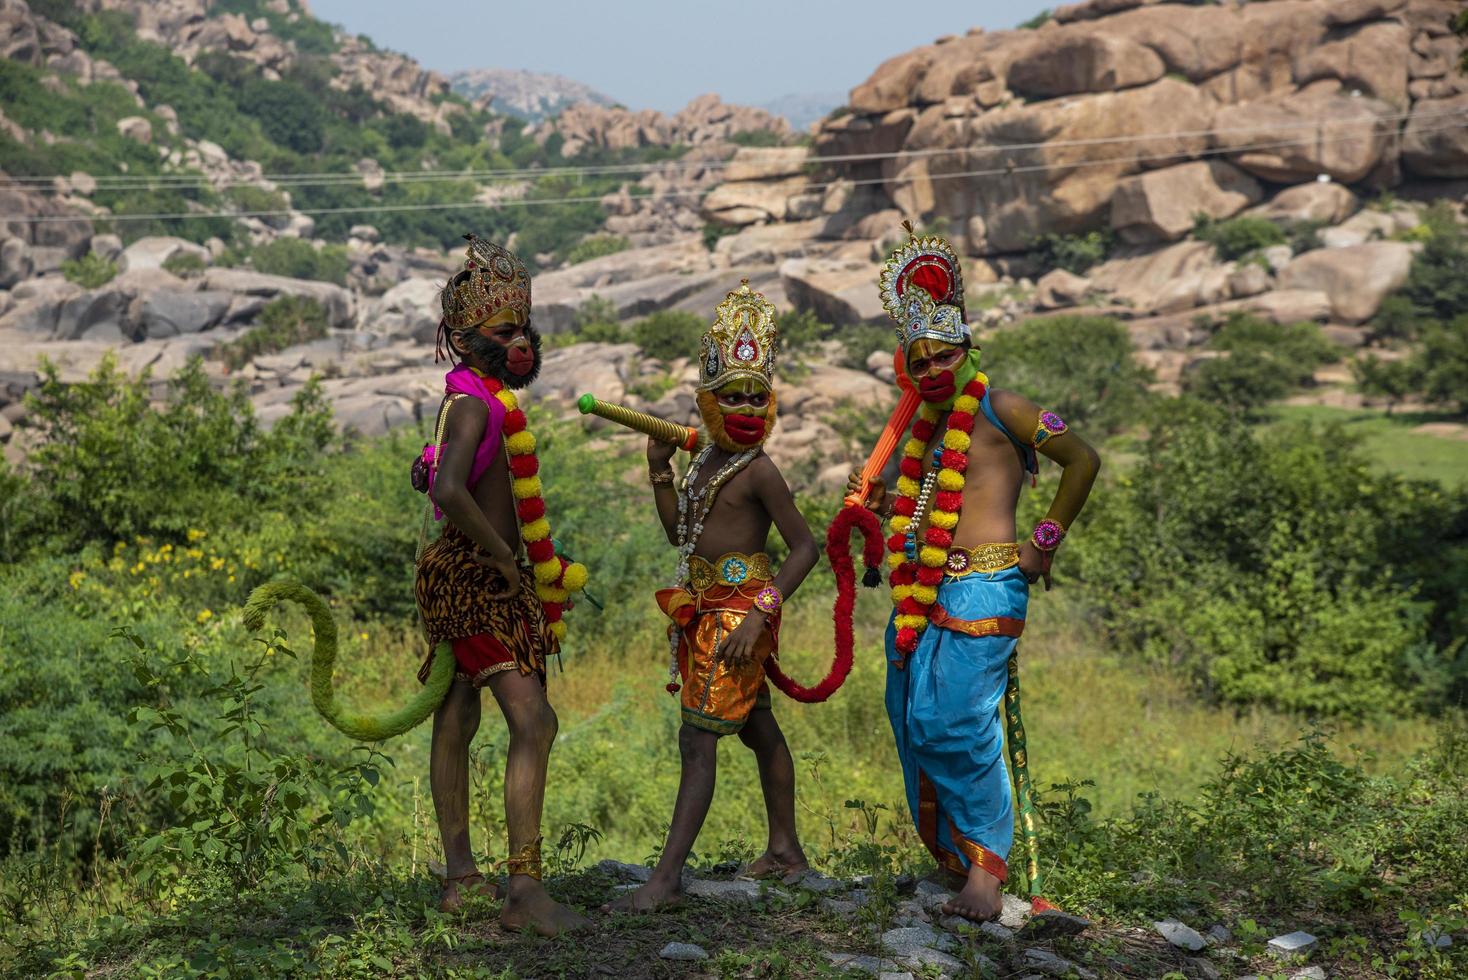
[89, 271]
[1237, 237]
[185, 265]
[1394, 380]
[594, 247]
[1266, 361]
[284, 322]
[299, 259]
[669, 334]
[201, 457]
[1077, 366]
[1034, 23]
[1443, 363]
[1275, 567]
[1074, 253]
[756, 137]
[1437, 287]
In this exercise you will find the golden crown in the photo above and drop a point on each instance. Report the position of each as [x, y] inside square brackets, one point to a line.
[922, 290]
[742, 342]
[493, 280]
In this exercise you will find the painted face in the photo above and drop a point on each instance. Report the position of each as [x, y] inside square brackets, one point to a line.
[507, 344]
[932, 365]
[745, 405]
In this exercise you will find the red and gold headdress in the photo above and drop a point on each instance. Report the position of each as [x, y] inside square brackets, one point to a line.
[493, 281]
[922, 290]
[741, 343]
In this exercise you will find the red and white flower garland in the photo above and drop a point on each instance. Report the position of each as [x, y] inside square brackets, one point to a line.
[555, 577]
[915, 581]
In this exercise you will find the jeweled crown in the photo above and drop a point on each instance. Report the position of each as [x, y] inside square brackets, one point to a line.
[493, 280]
[742, 342]
[922, 290]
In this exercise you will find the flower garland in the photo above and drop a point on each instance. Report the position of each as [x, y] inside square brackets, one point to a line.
[917, 571]
[555, 577]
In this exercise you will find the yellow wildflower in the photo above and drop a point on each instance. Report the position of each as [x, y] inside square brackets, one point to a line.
[204, 616]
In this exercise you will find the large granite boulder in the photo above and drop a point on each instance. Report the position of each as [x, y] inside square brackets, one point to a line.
[1435, 143]
[1324, 202]
[152, 251]
[1356, 278]
[339, 303]
[840, 292]
[168, 313]
[1161, 205]
[1300, 137]
[1076, 60]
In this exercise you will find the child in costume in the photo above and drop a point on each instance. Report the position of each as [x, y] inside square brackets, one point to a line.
[491, 586]
[725, 608]
[960, 579]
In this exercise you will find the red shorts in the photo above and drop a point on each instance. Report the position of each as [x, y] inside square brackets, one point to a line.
[481, 656]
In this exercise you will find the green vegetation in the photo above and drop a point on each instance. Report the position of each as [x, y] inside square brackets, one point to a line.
[284, 322]
[757, 137]
[669, 334]
[185, 265]
[1080, 367]
[1237, 237]
[89, 271]
[299, 259]
[1427, 310]
[1265, 362]
[1035, 22]
[594, 247]
[713, 231]
[1074, 253]
[1391, 443]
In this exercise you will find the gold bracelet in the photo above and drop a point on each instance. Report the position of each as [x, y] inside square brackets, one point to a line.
[526, 861]
[663, 478]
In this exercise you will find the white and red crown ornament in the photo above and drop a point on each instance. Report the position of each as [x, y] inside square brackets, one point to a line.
[922, 291]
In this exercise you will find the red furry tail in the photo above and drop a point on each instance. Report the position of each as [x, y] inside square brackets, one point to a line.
[838, 550]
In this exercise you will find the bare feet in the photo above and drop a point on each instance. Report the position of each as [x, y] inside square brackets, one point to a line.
[981, 899]
[776, 864]
[656, 894]
[528, 905]
[459, 887]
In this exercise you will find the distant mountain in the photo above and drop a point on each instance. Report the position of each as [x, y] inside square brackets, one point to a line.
[529, 95]
[804, 108]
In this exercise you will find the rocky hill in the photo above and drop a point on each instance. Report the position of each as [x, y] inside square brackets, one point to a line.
[1076, 165]
[530, 95]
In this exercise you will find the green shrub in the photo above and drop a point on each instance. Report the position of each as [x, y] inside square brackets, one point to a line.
[1237, 237]
[1275, 567]
[201, 457]
[89, 271]
[1438, 284]
[669, 334]
[594, 247]
[249, 198]
[299, 259]
[713, 231]
[1393, 380]
[1034, 23]
[1443, 363]
[1074, 253]
[1079, 367]
[756, 137]
[284, 322]
[185, 265]
[1266, 361]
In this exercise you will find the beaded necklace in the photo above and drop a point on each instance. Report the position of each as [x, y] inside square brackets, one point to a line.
[690, 531]
[918, 568]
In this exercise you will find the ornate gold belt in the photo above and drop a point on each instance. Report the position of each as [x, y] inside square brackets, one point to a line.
[730, 569]
[994, 557]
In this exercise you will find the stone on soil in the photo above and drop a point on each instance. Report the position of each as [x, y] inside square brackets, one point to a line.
[1296, 943]
[1180, 935]
[683, 951]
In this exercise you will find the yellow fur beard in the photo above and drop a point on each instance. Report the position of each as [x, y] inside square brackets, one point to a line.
[713, 422]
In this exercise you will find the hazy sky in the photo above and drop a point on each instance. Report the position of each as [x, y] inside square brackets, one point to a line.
[655, 55]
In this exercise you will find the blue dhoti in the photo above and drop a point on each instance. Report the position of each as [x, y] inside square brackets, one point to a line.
[944, 705]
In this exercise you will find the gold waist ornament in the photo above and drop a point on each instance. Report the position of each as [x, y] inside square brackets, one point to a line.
[731, 569]
[988, 558]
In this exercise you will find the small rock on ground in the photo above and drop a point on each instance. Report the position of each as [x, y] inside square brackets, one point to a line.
[1054, 966]
[887, 975]
[1437, 939]
[996, 932]
[1180, 935]
[627, 872]
[813, 881]
[903, 941]
[1016, 911]
[1292, 944]
[1204, 968]
[1053, 922]
[855, 961]
[1309, 973]
[683, 951]
[726, 891]
[837, 906]
[1219, 933]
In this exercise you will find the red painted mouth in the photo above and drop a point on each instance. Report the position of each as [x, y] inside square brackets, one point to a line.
[519, 361]
[744, 429]
[938, 389]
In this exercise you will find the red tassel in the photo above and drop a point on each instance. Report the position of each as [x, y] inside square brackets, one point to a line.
[930, 576]
[911, 468]
[911, 607]
[897, 542]
[907, 639]
[542, 550]
[962, 421]
[939, 537]
[531, 509]
[954, 460]
[905, 574]
[673, 688]
[949, 500]
[523, 466]
[514, 422]
[552, 611]
[904, 506]
[923, 430]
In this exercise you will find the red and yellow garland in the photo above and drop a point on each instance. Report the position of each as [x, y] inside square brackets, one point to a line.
[555, 577]
[915, 582]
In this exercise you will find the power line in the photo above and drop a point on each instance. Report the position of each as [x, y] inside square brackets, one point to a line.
[337, 178]
[1006, 171]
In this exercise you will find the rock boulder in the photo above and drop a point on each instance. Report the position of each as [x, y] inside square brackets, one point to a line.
[1161, 205]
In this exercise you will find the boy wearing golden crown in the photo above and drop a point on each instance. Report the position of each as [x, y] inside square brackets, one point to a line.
[960, 580]
[725, 609]
[492, 585]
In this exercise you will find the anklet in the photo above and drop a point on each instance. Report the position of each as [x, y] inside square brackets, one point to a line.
[526, 861]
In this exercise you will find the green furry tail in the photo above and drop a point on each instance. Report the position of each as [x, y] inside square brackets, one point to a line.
[362, 727]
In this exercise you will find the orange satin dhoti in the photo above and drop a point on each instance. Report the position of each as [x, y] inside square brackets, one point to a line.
[715, 696]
